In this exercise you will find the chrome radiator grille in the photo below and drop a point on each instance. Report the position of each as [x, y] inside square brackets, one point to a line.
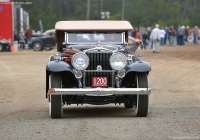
[96, 59]
[99, 59]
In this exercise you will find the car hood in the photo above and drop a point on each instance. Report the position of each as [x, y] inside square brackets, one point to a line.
[86, 47]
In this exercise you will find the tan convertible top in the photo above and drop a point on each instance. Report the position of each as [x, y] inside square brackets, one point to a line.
[97, 25]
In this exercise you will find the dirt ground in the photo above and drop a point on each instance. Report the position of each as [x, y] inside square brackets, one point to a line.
[174, 102]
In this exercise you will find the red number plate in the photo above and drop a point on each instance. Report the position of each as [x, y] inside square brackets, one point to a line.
[99, 81]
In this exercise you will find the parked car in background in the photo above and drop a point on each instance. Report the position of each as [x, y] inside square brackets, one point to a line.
[43, 41]
[95, 65]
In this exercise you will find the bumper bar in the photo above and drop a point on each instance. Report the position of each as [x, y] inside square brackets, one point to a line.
[99, 91]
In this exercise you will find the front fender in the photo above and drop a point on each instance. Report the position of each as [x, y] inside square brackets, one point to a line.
[58, 66]
[139, 66]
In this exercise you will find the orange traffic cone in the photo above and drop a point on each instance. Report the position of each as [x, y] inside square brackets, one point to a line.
[13, 48]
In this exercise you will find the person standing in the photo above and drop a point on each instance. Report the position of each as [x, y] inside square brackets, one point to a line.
[181, 34]
[166, 35]
[135, 34]
[195, 35]
[162, 36]
[184, 36]
[155, 37]
[149, 33]
[143, 37]
[171, 33]
[16, 36]
[22, 40]
[187, 33]
[28, 35]
[177, 37]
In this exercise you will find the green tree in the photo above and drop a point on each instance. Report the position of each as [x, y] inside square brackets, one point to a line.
[138, 12]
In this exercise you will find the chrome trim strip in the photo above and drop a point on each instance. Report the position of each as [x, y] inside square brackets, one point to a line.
[98, 48]
[99, 91]
[99, 71]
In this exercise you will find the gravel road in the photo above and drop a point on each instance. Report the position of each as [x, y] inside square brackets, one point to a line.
[174, 102]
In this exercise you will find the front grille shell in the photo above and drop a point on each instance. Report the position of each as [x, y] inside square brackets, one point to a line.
[99, 58]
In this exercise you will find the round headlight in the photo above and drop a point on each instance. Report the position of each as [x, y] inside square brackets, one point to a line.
[118, 61]
[80, 61]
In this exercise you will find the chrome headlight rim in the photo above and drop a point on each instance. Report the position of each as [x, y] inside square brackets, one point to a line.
[80, 61]
[78, 74]
[121, 73]
[119, 59]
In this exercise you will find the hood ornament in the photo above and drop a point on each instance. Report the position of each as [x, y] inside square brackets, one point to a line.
[99, 47]
[99, 68]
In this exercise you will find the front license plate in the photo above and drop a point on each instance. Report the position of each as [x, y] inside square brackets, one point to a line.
[99, 81]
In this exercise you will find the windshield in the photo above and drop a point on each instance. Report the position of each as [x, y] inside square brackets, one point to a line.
[79, 38]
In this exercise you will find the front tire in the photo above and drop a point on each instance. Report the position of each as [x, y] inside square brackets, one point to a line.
[142, 106]
[37, 46]
[55, 104]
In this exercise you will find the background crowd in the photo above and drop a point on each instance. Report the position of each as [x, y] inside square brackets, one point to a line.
[157, 36]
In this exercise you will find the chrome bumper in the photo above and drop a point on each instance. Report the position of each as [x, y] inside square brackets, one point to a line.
[99, 91]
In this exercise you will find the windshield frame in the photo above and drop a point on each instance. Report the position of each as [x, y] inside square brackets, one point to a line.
[119, 35]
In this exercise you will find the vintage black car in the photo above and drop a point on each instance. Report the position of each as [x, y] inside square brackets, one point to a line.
[43, 41]
[94, 64]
